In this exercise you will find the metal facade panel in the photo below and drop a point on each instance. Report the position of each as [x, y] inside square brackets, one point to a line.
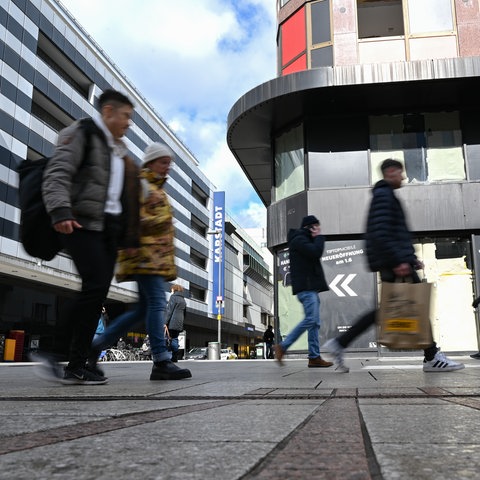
[471, 201]
[343, 212]
[276, 224]
[435, 207]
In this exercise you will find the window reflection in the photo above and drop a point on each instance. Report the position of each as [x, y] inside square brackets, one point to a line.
[430, 16]
[289, 163]
[429, 145]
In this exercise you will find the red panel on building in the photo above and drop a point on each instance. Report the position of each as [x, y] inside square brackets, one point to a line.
[296, 66]
[19, 336]
[294, 38]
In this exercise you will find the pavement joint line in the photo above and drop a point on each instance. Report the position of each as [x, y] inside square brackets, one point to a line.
[472, 402]
[351, 392]
[30, 440]
[306, 452]
[373, 465]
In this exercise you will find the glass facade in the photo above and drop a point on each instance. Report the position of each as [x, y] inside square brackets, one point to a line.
[429, 145]
[289, 163]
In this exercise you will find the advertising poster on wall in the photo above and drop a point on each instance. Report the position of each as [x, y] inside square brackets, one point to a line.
[353, 291]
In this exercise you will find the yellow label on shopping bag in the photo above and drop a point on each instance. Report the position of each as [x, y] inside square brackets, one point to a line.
[405, 325]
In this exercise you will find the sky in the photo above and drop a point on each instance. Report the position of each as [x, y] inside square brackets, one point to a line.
[192, 60]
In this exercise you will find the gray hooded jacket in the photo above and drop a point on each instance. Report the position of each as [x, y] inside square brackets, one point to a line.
[175, 313]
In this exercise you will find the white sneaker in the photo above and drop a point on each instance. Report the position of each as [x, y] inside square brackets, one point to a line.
[336, 350]
[441, 363]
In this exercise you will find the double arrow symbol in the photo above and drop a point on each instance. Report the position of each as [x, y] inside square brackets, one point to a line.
[344, 285]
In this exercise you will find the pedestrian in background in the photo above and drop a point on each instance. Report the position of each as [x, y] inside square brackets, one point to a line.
[391, 253]
[93, 205]
[268, 338]
[305, 247]
[151, 265]
[175, 317]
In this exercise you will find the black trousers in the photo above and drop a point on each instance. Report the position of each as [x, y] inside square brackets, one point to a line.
[94, 255]
[369, 319]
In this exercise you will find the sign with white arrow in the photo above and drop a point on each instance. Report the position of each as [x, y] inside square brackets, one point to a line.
[335, 285]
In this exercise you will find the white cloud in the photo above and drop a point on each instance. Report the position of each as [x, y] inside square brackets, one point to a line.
[192, 60]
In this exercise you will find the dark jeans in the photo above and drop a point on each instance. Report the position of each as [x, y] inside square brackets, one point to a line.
[269, 350]
[174, 342]
[94, 255]
[364, 322]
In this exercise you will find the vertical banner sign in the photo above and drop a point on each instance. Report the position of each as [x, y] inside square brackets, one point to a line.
[218, 252]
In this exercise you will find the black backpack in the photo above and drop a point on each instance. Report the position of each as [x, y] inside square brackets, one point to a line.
[37, 235]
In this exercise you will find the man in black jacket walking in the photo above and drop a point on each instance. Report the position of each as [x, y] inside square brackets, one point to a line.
[391, 253]
[305, 249]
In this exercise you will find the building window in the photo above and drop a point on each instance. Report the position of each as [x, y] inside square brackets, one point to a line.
[198, 259]
[62, 65]
[198, 226]
[197, 293]
[199, 195]
[430, 16]
[321, 52]
[380, 18]
[289, 163]
[46, 111]
[40, 312]
[428, 144]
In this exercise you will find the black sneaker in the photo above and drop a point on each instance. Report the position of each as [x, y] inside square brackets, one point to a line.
[82, 376]
[167, 370]
[94, 368]
[48, 367]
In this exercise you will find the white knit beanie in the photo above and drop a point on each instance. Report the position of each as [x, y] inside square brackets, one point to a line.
[157, 150]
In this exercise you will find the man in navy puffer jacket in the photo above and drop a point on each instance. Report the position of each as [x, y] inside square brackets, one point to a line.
[391, 253]
[305, 250]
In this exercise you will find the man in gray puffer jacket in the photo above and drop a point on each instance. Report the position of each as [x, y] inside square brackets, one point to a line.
[91, 192]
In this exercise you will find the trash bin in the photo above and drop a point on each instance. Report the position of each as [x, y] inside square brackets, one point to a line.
[260, 350]
[213, 351]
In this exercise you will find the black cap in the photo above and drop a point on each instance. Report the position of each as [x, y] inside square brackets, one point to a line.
[309, 220]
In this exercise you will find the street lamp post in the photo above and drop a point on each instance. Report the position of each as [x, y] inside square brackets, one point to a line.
[219, 302]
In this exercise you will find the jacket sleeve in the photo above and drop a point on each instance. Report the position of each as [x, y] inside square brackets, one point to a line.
[304, 245]
[59, 172]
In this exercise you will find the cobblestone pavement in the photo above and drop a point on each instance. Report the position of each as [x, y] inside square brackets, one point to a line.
[251, 419]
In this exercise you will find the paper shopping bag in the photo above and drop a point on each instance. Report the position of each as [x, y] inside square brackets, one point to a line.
[404, 316]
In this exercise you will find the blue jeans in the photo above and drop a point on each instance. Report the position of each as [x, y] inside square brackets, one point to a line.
[151, 308]
[311, 323]
[174, 340]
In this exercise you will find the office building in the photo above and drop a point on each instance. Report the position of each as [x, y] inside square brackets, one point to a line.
[51, 73]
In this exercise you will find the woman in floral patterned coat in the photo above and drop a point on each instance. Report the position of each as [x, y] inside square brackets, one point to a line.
[151, 264]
